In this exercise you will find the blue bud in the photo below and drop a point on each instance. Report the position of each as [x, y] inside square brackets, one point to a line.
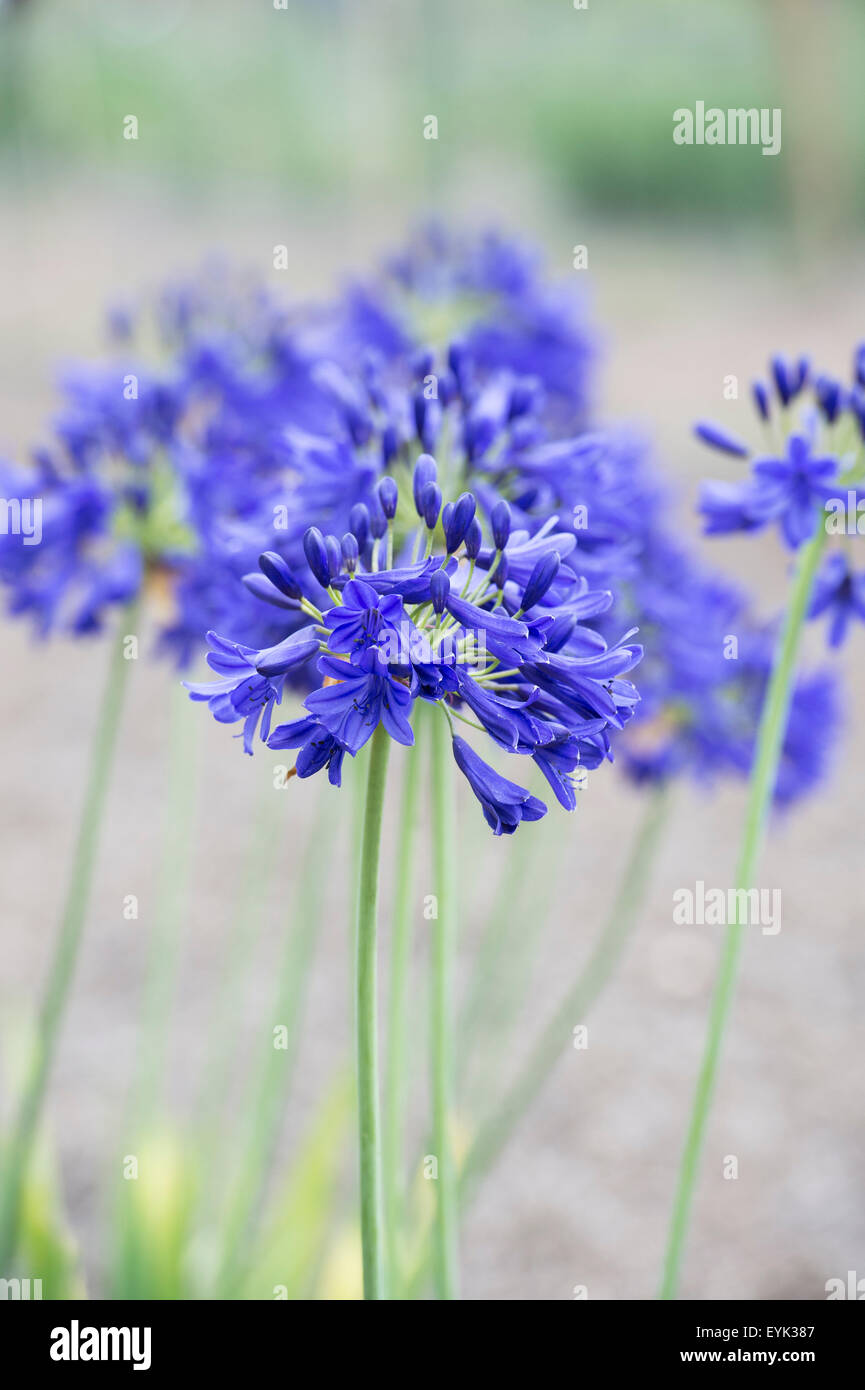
[479, 435]
[389, 445]
[427, 416]
[432, 419]
[781, 378]
[425, 472]
[262, 588]
[419, 411]
[350, 551]
[315, 551]
[447, 389]
[474, 539]
[431, 504]
[523, 398]
[279, 574]
[458, 521]
[358, 520]
[334, 556]
[829, 397]
[801, 373]
[789, 377]
[439, 588]
[761, 399]
[458, 361]
[859, 365]
[527, 499]
[540, 579]
[371, 373]
[500, 573]
[377, 522]
[388, 496]
[500, 520]
[360, 426]
[719, 439]
[422, 362]
[560, 632]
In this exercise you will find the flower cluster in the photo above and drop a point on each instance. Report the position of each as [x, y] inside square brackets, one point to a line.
[510, 424]
[262, 421]
[809, 481]
[183, 473]
[143, 482]
[482, 620]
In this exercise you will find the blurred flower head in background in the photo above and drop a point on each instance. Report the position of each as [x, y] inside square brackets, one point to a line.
[263, 420]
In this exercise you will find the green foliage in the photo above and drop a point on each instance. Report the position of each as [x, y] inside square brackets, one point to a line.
[309, 99]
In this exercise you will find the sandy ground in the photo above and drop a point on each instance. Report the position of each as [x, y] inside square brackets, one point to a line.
[582, 1196]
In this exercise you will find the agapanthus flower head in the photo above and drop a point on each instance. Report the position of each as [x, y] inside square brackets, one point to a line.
[166, 479]
[493, 638]
[309, 436]
[790, 489]
[813, 482]
[484, 295]
[264, 419]
[813, 726]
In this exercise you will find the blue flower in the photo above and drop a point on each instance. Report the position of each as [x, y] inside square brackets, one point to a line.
[840, 594]
[318, 748]
[434, 628]
[242, 693]
[362, 695]
[790, 490]
[505, 805]
[559, 759]
[363, 617]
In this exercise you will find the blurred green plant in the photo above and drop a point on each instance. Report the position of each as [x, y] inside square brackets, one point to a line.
[306, 98]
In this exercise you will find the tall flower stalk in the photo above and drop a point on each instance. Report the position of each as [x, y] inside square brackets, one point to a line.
[366, 1022]
[488, 635]
[770, 740]
[496, 1128]
[396, 1067]
[804, 487]
[67, 947]
[444, 940]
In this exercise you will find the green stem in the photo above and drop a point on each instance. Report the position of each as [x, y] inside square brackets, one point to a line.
[552, 1041]
[397, 1032]
[68, 943]
[445, 1230]
[770, 740]
[366, 1004]
[163, 961]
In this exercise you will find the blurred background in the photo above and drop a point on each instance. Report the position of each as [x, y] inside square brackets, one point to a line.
[303, 126]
